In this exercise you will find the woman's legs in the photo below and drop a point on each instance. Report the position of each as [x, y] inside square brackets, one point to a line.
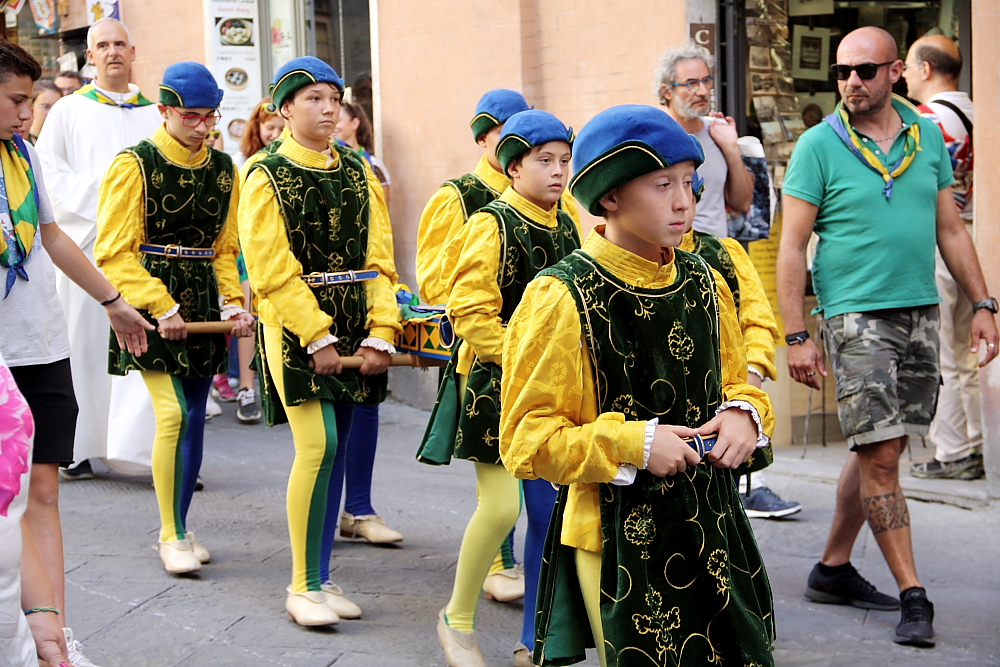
[179, 406]
[42, 518]
[539, 499]
[497, 512]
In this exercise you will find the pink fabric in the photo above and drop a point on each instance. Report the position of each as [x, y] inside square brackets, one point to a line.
[16, 431]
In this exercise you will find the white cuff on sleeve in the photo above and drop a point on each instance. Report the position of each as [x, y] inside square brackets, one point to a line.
[756, 371]
[232, 310]
[762, 439]
[378, 344]
[317, 345]
[171, 312]
[627, 472]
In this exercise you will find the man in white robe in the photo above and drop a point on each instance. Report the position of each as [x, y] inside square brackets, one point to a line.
[82, 134]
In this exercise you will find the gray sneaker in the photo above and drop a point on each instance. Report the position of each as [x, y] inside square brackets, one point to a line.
[968, 468]
[247, 411]
[763, 503]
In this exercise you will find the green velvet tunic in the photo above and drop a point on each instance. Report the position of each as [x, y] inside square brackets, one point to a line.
[326, 213]
[710, 248]
[682, 579]
[186, 206]
[473, 192]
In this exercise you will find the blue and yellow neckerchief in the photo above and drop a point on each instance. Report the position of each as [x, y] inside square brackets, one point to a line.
[137, 100]
[841, 124]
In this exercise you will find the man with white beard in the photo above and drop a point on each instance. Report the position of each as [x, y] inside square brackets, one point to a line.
[81, 137]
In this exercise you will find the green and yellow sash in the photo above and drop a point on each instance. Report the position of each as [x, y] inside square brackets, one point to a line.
[19, 200]
[137, 100]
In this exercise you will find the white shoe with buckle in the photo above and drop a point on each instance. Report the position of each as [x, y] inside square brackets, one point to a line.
[310, 608]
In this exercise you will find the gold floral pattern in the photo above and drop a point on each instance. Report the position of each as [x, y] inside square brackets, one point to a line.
[640, 529]
[680, 343]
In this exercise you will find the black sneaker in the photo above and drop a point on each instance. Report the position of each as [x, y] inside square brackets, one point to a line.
[847, 587]
[81, 470]
[915, 626]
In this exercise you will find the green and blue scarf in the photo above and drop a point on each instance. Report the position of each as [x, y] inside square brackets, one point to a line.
[841, 124]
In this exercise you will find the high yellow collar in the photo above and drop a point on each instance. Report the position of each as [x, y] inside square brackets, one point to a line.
[307, 157]
[531, 210]
[495, 180]
[687, 242]
[627, 266]
[177, 152]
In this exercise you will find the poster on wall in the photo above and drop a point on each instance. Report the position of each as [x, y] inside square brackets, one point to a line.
[811, 53]
[234, 58]
[282, 29]
[101, 9]
[45, 15]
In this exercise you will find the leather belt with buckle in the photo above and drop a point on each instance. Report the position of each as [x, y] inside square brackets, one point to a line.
[321, 279]
[177, 251]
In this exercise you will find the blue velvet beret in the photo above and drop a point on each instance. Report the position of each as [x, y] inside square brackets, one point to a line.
[298, 73]
[623, 143]
[697, 186]
[189, 85]
[494, 108]
[527, 129]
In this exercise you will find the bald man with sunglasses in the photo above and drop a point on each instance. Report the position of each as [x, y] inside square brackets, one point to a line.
[874, 182]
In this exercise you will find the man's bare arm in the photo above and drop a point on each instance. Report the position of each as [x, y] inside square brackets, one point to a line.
[959, 254]
[798, 220]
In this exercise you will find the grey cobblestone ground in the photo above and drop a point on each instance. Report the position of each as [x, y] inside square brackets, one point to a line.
[129, 613]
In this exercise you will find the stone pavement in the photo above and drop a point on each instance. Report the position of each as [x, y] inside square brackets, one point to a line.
[129, 613]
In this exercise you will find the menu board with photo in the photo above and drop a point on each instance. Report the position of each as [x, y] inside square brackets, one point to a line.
[234, 41]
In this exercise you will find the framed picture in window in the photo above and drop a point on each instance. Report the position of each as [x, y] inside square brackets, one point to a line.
[811, 53]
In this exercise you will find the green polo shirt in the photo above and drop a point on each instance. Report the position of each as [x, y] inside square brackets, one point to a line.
[874, 253]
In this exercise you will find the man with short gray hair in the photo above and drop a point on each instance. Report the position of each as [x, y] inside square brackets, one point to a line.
[82, 134]
[684, 85]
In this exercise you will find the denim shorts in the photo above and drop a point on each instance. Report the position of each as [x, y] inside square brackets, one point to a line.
[886, 366]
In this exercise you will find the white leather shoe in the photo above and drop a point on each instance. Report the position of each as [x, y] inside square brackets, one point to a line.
[200, 552]
[370, 527]
[522, 656]
[178, 557]
[310, 608]
[505, 586]
[461, 649]
[335, 600]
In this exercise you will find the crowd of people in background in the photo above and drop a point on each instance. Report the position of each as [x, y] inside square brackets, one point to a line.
[285, 249]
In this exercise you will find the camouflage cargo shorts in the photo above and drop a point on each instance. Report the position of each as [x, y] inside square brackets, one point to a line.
[886, 366]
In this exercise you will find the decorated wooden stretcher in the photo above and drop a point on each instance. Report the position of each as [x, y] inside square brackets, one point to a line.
[427, 339]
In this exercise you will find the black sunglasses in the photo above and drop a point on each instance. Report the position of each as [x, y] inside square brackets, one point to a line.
[866, 71]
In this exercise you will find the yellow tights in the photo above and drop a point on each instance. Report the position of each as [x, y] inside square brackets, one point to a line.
[588, 571]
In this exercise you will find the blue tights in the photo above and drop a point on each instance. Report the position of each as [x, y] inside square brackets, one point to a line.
[539, 499]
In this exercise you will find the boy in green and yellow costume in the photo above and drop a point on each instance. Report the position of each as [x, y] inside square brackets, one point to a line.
[617, 357]
[318, 249]
[167, 239]
[497, 253]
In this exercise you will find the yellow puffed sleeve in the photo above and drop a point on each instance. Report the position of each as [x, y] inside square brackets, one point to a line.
[383, 312]
[734, 361]
[474, 300]
[227, 249]
[760, 330]
[275, 274]
[549, 424]
[442, 215]
[250, 162]
[121, 229]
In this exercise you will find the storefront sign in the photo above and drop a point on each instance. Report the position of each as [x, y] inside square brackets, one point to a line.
[703, 34]
[234, 58]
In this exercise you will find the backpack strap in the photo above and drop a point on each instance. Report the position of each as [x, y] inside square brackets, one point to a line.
[958, 112]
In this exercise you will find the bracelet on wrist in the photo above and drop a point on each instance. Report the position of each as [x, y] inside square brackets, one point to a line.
[797, 338]
[111, 301]
[35, 610]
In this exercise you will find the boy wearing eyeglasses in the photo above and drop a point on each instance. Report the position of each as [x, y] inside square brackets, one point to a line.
[167, 240]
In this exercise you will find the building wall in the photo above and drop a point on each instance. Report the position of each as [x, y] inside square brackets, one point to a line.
[162, 38]
[571, 57]
[986, 86]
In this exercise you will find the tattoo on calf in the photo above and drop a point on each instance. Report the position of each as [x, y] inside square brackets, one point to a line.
[886, 512]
